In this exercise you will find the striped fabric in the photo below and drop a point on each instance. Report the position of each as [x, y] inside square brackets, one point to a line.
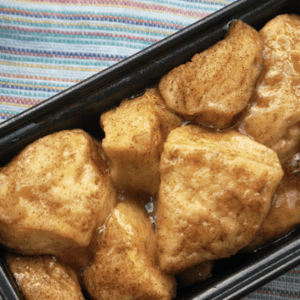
[47, 46]
[284, 287]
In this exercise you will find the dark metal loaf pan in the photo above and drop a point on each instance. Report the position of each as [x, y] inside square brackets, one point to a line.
[81, 105]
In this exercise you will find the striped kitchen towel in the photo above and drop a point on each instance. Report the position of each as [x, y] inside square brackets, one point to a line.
[47, 46]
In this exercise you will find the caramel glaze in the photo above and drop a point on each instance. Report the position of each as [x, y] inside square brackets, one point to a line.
[126, 265]
[284, 214]
[273, 119]
[273, 116]
[148, 206]
[195, 274]
[43, 277]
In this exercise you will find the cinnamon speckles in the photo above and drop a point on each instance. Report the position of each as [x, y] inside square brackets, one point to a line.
[125, 264]
[218, 83]
[134, 137]
[273, 118]
[43, 277]
[53, 196]
[215, 191]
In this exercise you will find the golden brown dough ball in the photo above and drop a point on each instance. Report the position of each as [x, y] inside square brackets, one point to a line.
[44, 278]
[217, 84]
[53, 197]
[126, 264]
[216, 189]
[134, 137]
[274, 116]
[284, 214]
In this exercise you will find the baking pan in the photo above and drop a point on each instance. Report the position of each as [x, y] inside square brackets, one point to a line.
[81, 105]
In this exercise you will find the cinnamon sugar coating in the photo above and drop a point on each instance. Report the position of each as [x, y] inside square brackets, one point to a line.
[125, 264]
[43, 277]
[217, 84]
[134, 137]
[274, 116]
[216, 189]
[54, 195]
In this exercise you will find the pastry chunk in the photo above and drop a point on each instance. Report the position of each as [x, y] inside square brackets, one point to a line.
[274, 116]
[218, 83]
[215, 191]
[53, 197]
[126, 264]
[284, 214]
[42, 277]
[134, 137]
